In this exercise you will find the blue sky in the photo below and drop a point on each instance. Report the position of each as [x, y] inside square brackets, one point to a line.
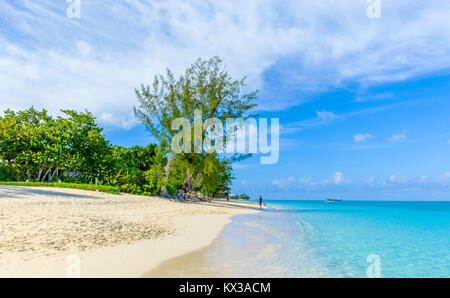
[363, 103]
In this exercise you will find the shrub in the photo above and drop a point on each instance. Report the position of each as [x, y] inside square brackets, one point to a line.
[8, 172]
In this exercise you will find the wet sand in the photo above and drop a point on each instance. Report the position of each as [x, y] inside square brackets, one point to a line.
[243, 249]
[268, 244]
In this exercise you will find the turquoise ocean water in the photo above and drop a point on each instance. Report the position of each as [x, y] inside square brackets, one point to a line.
[412, 239]
[314, 239]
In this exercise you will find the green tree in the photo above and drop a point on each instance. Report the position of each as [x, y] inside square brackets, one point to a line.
[205, 86]
[87, 146]
[24, 141]
[40, 146]
[135, 169]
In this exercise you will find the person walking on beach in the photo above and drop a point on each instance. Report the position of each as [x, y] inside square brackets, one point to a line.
[260, 202]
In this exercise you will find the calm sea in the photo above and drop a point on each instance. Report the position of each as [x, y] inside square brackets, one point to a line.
[344, 239]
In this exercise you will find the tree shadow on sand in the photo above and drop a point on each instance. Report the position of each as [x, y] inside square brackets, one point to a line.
[20, 192]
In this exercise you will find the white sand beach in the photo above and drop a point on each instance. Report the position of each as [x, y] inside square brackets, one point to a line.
[47, 232]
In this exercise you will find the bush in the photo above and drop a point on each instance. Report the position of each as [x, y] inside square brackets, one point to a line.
[8, 172]
[239, 197]
[92, 187]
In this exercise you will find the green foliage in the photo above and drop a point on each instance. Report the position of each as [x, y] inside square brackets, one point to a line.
[154, 181]
[206, 173]
[240, 197]
[215, 173]
[8, 173]
[35, 146]
[101, 188]
[205, 86]
[136, 170]
[41, 147]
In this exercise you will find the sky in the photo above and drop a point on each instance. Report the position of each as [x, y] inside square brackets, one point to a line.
[363, 102]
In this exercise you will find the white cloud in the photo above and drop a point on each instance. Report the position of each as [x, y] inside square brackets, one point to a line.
[398, 179]
[423, 179]
[292, 182]
[325, 115]
[397, 137]
[376, 97]
[337, 178]
[362, 137]
[83, 48]
[110, 119]
[244, 182]
[296, 126]
[284, 182]
[444, 178]
[307, 182]
[370, 180]
[240, 166]
[95, 62]
[435, 183]
[338, 183]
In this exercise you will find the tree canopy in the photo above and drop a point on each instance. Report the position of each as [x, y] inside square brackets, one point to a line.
[36, 146]
[205, 86]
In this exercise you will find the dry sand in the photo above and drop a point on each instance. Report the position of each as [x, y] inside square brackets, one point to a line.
[50, 232]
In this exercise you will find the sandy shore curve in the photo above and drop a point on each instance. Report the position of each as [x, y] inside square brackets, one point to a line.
[49, 232]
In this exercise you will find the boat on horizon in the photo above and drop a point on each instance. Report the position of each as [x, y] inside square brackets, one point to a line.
[331, 201]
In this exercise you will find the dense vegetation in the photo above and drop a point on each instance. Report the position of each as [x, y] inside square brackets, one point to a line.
[38, 147]
[35, 146]
[240, 197]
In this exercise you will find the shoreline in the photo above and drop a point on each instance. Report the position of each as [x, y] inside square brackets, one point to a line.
[178, 229]
[214, 260]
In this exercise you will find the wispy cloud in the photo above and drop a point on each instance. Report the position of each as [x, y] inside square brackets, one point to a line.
[394, 184]
[375, 97]
[284, 182]
[296, 126]
[398, 179]
[48, 60]
[397, 137]
[337, 178]
[241, 166]
[362, 137]
[325, 115]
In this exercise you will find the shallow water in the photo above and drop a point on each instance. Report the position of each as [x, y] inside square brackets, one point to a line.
[313, 239]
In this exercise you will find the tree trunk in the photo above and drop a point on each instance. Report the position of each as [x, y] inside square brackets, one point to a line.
[46, 173]
[52, 175]
[39, 176]
[187, 185]
[166, 175]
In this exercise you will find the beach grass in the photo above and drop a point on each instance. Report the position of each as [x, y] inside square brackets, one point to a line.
[92, 187]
